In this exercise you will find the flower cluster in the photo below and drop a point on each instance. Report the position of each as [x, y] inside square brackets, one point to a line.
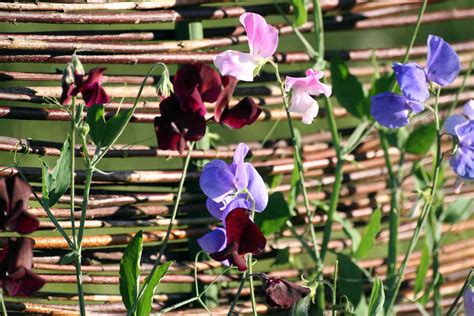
[234, 192]
[73, 83]
[263, 42]
[16, 277]
[183, 113]
[393, 110]
[461, 127]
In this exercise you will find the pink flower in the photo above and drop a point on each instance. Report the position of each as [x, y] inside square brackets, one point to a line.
[263, 42]
[301, 91]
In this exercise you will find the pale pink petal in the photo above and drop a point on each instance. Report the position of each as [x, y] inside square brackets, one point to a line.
[262, 37]
[304, 104]
[236, 64]
[310, 83]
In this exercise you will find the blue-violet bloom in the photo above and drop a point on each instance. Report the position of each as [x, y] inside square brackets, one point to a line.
[462, 128]
[443, 66]
[222, 183]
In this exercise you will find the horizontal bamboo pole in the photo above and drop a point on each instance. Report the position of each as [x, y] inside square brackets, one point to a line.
[207, 57]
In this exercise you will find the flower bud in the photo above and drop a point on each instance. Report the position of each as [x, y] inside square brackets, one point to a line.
[84, 130]
[164, 87]
[77, 66]
[281, 293]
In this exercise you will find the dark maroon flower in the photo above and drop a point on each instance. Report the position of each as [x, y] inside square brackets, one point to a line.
[16, 276]
[90, 88]
[243, 236]
[281, 293]
[14, 196]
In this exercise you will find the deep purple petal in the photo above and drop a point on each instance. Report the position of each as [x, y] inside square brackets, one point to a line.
[223, 100]
[201, 77]
[257, 188]
[390, 110]
[217, 181]
[243, 113]
[412, 81]
[241, 230]
[238, 202]
[23, 282]
[168, 136]
[462, 163]
[443, 65]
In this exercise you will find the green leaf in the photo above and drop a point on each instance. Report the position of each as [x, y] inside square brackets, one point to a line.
[115, 125]
[398, 137]
[422, 269]
[382, 84]
[130, 271]
[301, 308]
[458, 210]
[276, 180]
[350, 283]
[370, 233]
[301, 12]
[349, 230]
[377, 298]
[56, 183]
[68, 258]
[144, 304]
[96, 121]
[421, 139]
[275, 216]
[348, 89]
[282, 257]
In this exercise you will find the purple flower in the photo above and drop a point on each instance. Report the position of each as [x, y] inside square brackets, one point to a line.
[462, 128]
[392, 110]
[443, 66]
[16, 277]
[282, 294]
[263, 42]
[302, 90]
[222, 183]
[90, 88]
[14, 197]
[469, 301]
[239, 236]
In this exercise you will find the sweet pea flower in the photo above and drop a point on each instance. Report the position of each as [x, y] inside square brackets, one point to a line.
[239, 236]
[469, 301]
[183, 113]
[461, 127]
[73, 83]
[282, 294]
[263, 42]
[222, 183]
[443, 66]
[14, 196]
[16, 277]
[301, 91]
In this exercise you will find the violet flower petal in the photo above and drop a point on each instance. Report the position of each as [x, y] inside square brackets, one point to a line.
[412, 81]
[468, 109]
[257, 188]
[443, 65]
[390, 109]
[217, 181]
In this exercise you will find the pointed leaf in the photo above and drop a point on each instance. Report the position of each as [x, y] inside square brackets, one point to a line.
[115, 126]
[421, 139]
[377, 298]
[96, 121]
[349, 230]
[145, 303]
[370, 233]
[422, 269]
[301, 308]
[130, 270]
[458, 210]
[275, 216]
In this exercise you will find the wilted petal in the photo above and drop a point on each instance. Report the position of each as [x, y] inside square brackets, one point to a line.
[412, 81]
[223, 100]
[257, 188]
[390, 110]
[23, 282]
[243, 113]
[469, 109]
[303, 103]
[462, 163]
[452, 122]
[443, 65]
[217, 181]
[262, 37]
[283, 294]
[236, 64]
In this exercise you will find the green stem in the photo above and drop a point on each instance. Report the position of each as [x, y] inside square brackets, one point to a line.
[252, 290]
[393, 215]
[85, 203]
[72, 131]
[2, 303]
[80, 284]
[170, 227]
[334, 288]
[392, 295]
[196, 283]
[237, 295]
[319, 32]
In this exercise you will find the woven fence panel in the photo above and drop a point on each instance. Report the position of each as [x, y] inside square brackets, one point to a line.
[136, 187]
